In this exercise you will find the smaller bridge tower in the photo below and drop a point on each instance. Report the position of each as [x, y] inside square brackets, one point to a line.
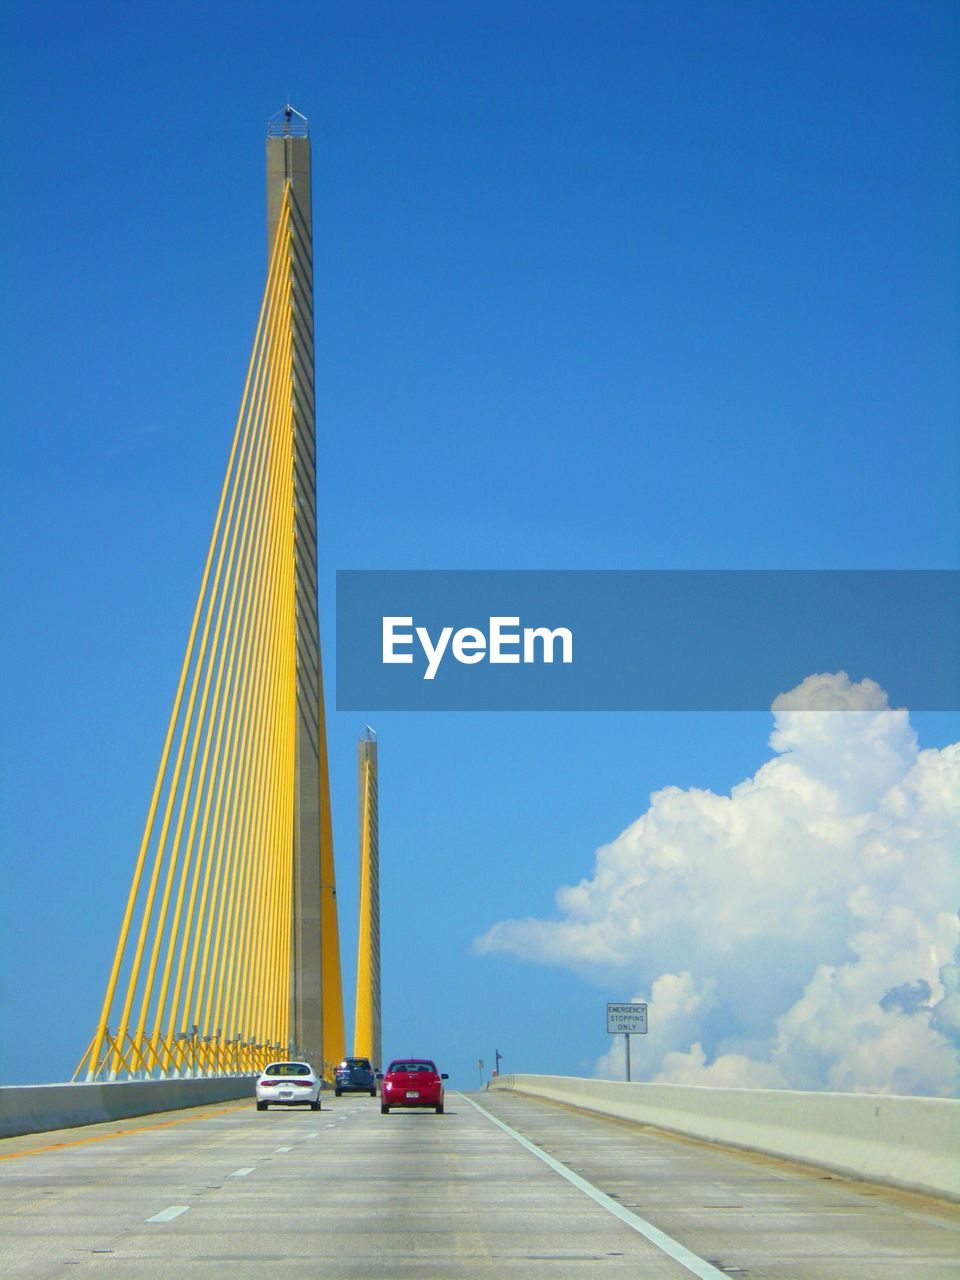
[367, 1033]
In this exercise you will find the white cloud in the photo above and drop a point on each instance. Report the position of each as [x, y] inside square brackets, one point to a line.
[799, 932]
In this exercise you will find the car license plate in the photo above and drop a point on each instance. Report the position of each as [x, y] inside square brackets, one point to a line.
[413, 1093]
[286, 1093]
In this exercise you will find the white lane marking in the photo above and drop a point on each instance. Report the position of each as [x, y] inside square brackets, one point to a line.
[673, 1248]
[241, 1173]
[284, 1148]
[165, 1215]
[311, 1135]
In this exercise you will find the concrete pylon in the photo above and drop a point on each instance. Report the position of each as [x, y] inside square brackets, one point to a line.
[367, 1041]
[316, 1011]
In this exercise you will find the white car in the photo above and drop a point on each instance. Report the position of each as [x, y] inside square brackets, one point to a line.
[288, 1084]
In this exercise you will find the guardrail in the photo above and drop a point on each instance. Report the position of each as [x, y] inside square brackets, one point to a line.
[288, 123]
[904, 1142]
[37, 1108]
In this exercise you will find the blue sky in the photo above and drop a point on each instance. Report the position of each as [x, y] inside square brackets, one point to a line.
[639, 286]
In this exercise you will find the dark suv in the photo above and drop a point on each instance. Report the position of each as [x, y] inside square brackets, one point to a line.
[355, 1075]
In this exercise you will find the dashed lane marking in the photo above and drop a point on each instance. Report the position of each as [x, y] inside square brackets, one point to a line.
[167, 1215]
[241, 1173]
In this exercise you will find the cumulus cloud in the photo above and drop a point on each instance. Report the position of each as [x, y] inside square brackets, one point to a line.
[801, 932]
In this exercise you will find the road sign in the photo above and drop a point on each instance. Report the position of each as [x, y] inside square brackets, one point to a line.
[627, 1019]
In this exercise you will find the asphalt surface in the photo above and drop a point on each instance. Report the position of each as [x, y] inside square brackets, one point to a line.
[347, 1193]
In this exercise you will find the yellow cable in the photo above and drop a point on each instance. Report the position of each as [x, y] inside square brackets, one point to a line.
[219, 924]
[204, 664]
[252, 938]
[94, 1052]
[230, 980]
[236, 577]
[280, 840]
[228, 495]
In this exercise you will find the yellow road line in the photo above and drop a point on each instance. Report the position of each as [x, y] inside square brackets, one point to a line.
[120, 1133]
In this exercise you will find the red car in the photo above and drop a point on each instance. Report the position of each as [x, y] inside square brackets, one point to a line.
[412, 1082]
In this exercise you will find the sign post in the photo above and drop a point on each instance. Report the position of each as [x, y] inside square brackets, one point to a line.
[627, 1020]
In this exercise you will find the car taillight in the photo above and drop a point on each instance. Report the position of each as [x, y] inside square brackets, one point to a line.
[266, 1084]
[304, 1084]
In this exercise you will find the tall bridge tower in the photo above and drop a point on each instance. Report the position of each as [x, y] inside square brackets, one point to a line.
[229, 950]
[316, 1013]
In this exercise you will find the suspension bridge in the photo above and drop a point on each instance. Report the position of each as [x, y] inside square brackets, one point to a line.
[228, 955]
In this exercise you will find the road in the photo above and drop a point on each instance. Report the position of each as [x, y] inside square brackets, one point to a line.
[348, 1194]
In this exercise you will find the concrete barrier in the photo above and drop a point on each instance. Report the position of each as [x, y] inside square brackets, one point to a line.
[905, 1142]
[37, 1108]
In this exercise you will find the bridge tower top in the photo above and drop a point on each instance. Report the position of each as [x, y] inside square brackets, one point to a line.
[288, 161]
[288, 123]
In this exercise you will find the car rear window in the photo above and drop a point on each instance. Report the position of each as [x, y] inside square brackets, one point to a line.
[287, 1069]
[412, 1067]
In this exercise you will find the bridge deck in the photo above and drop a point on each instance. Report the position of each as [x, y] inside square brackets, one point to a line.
[347, 1193]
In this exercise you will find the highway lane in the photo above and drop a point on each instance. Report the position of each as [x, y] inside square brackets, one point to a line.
[346, 1193]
